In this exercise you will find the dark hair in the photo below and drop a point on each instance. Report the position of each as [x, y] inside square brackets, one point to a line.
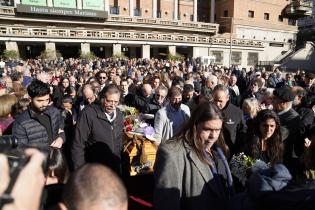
[188, 88]
[178, 81]
[38, 88]
[100, 72]
[57, 165]
[67, 99]
[203, 112]
[70, 90]
[274, 143]
[20, 106]
[16, 76]
[94, 183]
[109, 89]
[175, 91]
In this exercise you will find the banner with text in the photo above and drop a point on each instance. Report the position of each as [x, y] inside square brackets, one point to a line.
[65, 4]
[35, 2]
[93, 4]
[30, 9]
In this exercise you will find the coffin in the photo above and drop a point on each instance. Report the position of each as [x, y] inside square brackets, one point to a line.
[139, 154]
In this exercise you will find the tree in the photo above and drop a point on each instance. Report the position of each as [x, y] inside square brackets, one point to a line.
[11, 54]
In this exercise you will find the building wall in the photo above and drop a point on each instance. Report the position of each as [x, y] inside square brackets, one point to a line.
[146, 8]
[167, 9]
[239, 9]
[186, 9]
[273, 8]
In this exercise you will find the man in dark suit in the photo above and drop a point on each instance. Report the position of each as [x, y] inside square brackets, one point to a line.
[290, 119]
[234, 124]
[98, 135]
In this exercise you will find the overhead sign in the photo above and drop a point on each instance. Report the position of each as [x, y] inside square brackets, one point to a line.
[65, 4]
[93, 4]
[35, 2]
[61, 11]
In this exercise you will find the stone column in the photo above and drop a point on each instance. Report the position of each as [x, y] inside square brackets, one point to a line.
[131, 8]
[50, 3]
[51, 49]
[172, 50]
[116, 49]
[212, 13]
[106, 5]
[12, 46]
[175, 9]
[16, 2]
[195, 10]
[79, 4]
[85, 48]
[146, 51]
[154, 8]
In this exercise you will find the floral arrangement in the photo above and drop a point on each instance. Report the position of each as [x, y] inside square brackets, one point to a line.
[128, 110]
[240, 164]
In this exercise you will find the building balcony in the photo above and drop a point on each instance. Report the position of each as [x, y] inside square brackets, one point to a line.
[54, 33]
[117, 20]
[163, 24]
[298, 9]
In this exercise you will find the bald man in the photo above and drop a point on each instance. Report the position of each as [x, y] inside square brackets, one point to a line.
[141, 100]
[94, 187]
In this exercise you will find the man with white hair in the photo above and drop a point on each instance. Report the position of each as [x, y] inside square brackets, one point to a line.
[211, 82]
[234, 124]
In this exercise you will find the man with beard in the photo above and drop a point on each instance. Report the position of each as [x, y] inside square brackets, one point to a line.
[99, 132]
[169, 120]
[40, 123]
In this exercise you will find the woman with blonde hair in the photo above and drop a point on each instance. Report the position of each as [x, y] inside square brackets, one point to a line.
[250, 107]
[6, 119]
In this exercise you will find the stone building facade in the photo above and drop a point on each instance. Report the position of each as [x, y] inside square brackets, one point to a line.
[239, 32]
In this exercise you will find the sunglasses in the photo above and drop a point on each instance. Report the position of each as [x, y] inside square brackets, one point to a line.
[102, 77]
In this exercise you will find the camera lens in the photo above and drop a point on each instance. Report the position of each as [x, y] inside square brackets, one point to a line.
[8, 141]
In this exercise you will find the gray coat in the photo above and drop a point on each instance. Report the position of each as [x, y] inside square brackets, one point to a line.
[166, 117]
[182, 181]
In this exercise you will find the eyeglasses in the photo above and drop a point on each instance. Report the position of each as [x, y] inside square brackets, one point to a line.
[102, 77]
[111, 102]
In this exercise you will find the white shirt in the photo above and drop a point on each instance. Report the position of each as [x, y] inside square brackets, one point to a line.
[111, 119]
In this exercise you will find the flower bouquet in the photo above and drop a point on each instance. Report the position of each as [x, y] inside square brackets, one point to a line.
[240, 165]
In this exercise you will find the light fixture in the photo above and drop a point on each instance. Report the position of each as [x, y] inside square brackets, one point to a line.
[101, 49]
[28, 48]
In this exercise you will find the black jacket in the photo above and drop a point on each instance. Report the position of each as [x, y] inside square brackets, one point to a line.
[27, 129]
[97, 139]
[292, 122]
[234, 126]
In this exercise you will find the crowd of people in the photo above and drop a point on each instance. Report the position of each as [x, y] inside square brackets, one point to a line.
[202, 116]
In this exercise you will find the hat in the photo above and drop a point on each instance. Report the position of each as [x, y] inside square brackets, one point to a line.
[284, 93]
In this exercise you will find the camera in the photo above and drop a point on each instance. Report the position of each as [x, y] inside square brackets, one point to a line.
[17, 158]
